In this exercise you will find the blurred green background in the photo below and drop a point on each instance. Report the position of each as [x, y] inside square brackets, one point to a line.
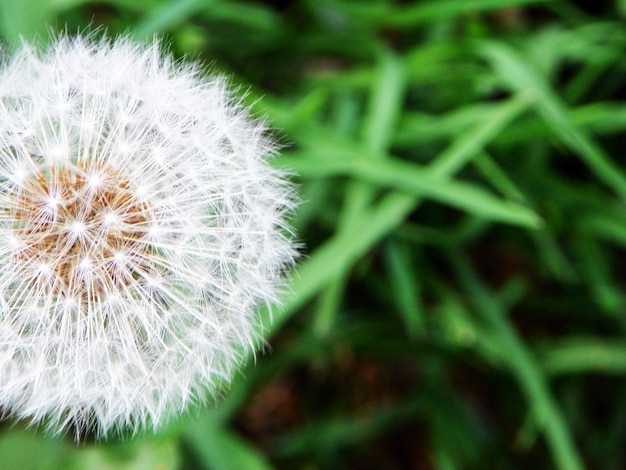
[461, 302]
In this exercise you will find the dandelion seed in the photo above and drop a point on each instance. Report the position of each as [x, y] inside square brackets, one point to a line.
[140, 230]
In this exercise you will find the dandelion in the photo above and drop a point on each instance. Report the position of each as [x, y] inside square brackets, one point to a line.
[141, 228]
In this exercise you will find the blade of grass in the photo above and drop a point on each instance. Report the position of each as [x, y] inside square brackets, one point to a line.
[411, 15]
[462, 233]
[553, 256]
[385, 107]
[329, 305]
[460, 329]
[405, 287]
[140, 454]
[27, 450]
[385, 104]
[254, 17]
[412, 179]
[462, 150]
[497, 177]
[597, 272]
[417, 128]
[27, 20]
[328, 436]
[583, 356]
[167, 16]
[339, 253]
[378, 125]
[524, 367]
[519, 76]
[218, 448]
[584, 80]
[596, 118]
[608, 226]
[345, 119]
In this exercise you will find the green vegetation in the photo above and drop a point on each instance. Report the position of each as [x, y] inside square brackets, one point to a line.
[461, 300]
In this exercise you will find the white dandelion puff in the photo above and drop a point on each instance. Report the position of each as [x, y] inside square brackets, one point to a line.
[141, 228]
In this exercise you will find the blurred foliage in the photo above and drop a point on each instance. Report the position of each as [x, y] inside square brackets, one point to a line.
[461, 299]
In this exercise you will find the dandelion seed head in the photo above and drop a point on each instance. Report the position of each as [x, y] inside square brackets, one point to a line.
[141, 230]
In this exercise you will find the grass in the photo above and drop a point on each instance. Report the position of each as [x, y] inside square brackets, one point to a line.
[461, 301]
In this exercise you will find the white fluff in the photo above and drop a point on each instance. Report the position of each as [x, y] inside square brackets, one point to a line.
[141, 227]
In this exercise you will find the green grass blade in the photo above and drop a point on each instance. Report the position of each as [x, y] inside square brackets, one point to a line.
[425, 12]
[584, 355]
[219, 448]
[329, 305]
[27, 20]
[517, 74]
[167, 16]
[525, 368]
[405, 287]
[385, 104]
[340, 253]
[498, 178]
[410, 178]
[471, 142]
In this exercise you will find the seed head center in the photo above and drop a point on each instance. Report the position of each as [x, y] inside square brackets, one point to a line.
[81, 231]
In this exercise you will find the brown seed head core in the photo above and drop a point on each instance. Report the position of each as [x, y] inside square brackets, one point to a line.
[82, 231]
